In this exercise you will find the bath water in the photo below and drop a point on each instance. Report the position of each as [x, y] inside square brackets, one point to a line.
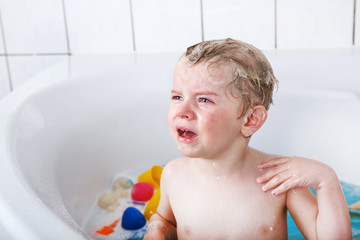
[352, 195]
[98, 218]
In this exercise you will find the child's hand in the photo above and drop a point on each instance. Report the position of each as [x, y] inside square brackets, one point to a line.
[286, 173]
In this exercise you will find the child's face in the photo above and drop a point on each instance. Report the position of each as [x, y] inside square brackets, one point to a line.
[203, 120]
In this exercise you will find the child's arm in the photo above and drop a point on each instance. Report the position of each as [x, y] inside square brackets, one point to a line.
[162, 225]
[160, 228]
[323, 217]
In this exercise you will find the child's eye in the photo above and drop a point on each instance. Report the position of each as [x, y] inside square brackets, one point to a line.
[175, 97]
[205, 100]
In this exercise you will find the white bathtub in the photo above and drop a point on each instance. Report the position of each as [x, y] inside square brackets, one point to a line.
[67, 131]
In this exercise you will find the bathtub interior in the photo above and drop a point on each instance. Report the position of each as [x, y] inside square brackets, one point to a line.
[71, 137]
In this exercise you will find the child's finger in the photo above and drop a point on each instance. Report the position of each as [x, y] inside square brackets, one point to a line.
[271, 173]
[285, 186]
[273, 162]
[276, 181]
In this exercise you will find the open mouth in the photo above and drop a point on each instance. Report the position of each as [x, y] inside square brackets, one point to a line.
[186, 135]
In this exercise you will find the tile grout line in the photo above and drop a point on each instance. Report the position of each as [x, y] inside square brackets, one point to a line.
[33, 54]
[5, 53]
[66, 28]
[132, 25]
[354, 23]
[276, 30]
[202, 20]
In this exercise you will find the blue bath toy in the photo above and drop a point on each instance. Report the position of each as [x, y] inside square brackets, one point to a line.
[132, 219]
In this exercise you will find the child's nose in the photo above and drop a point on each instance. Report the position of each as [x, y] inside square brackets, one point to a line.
[186, 111]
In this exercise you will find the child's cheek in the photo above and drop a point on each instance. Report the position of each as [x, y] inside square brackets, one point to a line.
[209, 121]
[171, 117]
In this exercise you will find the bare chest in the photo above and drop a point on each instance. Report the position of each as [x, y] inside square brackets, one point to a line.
[220, 208]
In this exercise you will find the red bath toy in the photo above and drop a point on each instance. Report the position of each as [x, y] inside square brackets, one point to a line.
[142, 192]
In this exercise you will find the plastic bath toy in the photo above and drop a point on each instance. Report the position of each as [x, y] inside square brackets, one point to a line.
[121, 193]
[152, 205]
[106, 230]
[152, 176]
[142, 192]
[109, 202]
[132, 219]
[122, 182]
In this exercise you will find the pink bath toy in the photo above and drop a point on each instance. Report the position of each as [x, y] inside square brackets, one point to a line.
[142, 192]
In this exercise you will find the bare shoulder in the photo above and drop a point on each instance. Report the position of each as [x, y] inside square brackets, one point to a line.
[175, 166]
[172, 173]
[177, 162]
[262, 156]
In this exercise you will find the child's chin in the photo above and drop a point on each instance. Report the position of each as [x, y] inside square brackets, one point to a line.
[188, 152]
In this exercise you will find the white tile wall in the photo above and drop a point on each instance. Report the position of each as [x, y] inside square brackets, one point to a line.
[104, 26]
[163, 25]
[315, 24]
[99, 26]
[24, 67]
[252, 21]
[1, 46]
[4, 81]
[357, 25]
[2, 51]
[34, 26]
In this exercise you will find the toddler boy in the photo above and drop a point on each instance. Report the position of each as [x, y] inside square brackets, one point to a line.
[222, 188]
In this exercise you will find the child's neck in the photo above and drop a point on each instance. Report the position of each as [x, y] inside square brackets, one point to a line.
[237, 161]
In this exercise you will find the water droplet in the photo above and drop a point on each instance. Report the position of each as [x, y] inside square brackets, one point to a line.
[203, 180]
[221, 205]
[214, 165]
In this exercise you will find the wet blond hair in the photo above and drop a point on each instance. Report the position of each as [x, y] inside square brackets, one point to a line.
[253, 77]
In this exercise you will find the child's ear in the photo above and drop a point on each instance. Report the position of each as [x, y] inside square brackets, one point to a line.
[253, 120]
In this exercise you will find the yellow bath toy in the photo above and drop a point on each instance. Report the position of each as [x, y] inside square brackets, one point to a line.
[152, 205]
[152, 176]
